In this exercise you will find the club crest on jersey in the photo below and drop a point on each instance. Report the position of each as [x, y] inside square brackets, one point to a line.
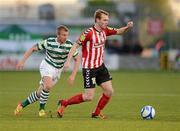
[82, 37]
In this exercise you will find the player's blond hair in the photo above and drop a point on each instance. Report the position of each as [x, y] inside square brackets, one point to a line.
[98, 13]
[62, 27]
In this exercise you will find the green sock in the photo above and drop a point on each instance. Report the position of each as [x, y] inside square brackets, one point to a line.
[25, 103]
[42, 106]
[31, 99]
[43, 99]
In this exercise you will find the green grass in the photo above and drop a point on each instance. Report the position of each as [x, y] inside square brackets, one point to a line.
[133, 90]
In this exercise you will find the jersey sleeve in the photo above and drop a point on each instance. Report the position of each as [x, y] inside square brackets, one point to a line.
[71, 43]
[42, 45]
[84, 37]
[110, 31]
[75, 54]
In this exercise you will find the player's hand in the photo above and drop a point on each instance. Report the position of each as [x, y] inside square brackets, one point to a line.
[130, 24]
[20, 65]
[71, 80]
[66, 66]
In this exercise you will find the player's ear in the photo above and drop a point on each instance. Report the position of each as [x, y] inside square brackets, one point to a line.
[97, 20]
[57, 32]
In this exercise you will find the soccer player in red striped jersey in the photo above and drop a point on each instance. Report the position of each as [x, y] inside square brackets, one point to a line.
[94, 70]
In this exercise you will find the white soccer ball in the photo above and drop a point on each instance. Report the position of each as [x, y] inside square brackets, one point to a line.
[147, 112]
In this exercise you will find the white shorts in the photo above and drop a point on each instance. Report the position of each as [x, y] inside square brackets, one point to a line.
[48, 70]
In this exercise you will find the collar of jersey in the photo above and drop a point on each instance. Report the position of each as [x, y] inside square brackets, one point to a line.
[59, 44]
[96, 29]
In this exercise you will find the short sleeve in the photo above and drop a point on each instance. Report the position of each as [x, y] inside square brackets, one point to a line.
[110, 31]
[42, 45]
[84, 37]
[75, 54]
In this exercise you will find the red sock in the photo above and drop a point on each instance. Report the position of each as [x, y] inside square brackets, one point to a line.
[73, 100]
[101, 104]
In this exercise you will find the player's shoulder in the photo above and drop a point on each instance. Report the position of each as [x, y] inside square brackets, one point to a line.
[69, 42]
[87, 33]
[51, 39]
[88, 30]
[109, 28]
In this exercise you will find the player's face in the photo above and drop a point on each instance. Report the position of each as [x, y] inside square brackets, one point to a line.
[62, 36]
[103, 22]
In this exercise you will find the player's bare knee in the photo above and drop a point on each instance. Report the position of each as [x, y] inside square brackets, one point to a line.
[47, 87]
[109, 92]
[88, 97]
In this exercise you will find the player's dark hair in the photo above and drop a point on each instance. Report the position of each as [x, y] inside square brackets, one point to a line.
[98, 13]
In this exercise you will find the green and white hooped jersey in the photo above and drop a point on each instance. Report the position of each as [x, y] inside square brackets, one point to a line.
[56, 53]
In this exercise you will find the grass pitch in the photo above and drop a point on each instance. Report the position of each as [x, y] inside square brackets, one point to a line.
[133, 90]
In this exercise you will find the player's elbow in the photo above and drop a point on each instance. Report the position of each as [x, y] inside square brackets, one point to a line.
[34, 48]
[77, 59]
[120, 32]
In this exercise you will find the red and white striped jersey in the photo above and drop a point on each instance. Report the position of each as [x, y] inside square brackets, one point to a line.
[93, 45]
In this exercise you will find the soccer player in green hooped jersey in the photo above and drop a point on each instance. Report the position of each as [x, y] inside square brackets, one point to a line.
[57, 49]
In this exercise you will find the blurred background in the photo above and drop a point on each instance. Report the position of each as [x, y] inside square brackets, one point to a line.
[153, 43]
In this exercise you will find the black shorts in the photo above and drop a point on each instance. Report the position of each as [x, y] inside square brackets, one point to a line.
[96, 75]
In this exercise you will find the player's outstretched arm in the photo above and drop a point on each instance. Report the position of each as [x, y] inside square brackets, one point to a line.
[71, 53]
[77, 61]
[20, 64]
[124, 29]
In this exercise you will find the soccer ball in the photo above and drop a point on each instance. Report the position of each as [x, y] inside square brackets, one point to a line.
[147, 112]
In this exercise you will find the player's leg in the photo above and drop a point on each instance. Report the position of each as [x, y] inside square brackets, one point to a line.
[105, 97]
[89, 85]
[44, 95]
[49, 77]
[104, 80]
[33, 97]
[77, 99]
